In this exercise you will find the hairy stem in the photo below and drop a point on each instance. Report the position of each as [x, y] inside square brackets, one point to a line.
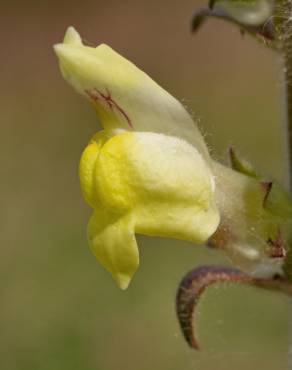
[288, 124]
[286, 39]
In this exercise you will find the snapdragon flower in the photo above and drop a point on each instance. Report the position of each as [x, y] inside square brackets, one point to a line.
[148, 171]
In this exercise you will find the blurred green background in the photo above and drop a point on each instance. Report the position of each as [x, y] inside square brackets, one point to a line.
[59, 309]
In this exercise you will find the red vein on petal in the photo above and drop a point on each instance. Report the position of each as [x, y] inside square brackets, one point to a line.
[96, 95]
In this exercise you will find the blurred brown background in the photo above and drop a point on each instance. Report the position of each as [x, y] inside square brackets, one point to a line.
[59, 309]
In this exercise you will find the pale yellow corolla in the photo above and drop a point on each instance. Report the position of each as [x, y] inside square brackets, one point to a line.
[148, 171]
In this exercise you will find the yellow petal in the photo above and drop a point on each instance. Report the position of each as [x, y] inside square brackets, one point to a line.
[164, 182]
[145, 183]
[87, 167]
[113, 242]
[123, 95]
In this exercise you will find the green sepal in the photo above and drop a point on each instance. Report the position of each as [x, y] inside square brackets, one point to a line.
[241, 165]
[279, 202]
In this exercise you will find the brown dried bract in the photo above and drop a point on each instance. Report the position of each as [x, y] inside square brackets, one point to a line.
[276, 247]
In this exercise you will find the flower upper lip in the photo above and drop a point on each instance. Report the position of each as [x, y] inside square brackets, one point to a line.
[138, 101]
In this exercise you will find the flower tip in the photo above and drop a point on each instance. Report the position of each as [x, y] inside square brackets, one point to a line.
[72, 37]
[123, 281]
[64, 52]
[66, 55]
[58, 48]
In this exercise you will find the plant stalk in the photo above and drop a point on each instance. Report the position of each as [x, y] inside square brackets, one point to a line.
[286, 38]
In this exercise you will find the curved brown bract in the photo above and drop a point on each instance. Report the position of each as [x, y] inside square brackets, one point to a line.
[191, 288]
[196, 281]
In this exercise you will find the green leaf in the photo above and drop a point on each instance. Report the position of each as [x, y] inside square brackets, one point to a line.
[251, 16]
[247, 12]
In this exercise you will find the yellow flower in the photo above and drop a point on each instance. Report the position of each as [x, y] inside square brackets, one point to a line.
[148, 171]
